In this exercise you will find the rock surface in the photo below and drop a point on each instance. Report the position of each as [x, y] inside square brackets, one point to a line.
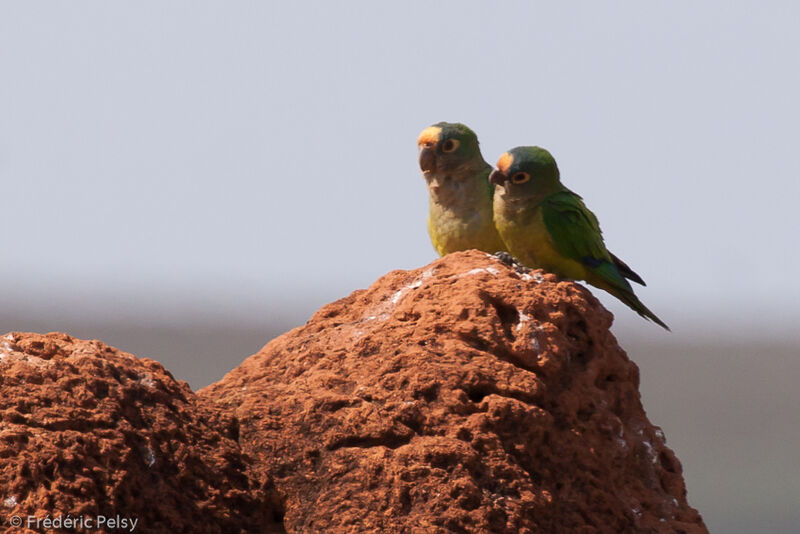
[89, 431]
[464, 396]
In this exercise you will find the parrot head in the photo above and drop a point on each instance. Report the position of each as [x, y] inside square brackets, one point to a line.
[448, 147]
[525, 172]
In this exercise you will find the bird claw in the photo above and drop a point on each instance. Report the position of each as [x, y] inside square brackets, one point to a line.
[511, 261]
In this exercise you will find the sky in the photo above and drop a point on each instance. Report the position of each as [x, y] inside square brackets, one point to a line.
[237, 152]
[168, 163]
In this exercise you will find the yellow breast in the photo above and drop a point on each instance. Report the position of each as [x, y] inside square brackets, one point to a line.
[528, 240]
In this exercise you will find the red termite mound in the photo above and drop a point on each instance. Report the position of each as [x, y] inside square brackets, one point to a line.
[89, 435]
[464, 396]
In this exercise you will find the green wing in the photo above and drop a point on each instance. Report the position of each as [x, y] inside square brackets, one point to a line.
[576, 234]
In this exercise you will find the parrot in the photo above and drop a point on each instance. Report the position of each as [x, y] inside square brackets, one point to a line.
[457, 177]
[546, 225]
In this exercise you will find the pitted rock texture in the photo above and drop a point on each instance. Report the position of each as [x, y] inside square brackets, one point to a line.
[88, 431]
[464, 396]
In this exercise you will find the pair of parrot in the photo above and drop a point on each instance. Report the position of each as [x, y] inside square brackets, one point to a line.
[520, 207]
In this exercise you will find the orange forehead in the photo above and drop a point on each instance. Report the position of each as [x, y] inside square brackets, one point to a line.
[505, 162]
[429, 136]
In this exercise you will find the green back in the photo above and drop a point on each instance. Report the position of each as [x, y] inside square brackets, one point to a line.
[576, 234]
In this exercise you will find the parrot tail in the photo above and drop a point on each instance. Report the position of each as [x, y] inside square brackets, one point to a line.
[633, 302]
[626, 271]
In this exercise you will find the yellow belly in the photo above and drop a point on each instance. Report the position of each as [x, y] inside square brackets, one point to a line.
[460, 213]
[454, 234]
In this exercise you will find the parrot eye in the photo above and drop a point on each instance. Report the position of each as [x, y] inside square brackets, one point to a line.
[520, 177]
[450, 145]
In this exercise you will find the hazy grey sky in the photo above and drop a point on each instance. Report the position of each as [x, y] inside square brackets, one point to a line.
[234, 152]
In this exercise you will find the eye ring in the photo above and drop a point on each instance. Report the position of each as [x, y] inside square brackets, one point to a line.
[520, 177]
[450, 146]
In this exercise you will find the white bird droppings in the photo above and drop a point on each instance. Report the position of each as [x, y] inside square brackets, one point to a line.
[146, 380]
[522, 320]
[536, 277]
[479, 270]
[149, 457]
[400, 293]
[650, 451]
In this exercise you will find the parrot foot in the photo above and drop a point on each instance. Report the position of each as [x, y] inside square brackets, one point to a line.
[505, 257]
[511, 261]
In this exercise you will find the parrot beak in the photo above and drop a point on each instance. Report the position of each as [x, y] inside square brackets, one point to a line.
[427, 159]
[497, 177]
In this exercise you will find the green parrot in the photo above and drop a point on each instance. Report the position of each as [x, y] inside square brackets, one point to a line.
[546, 225]
[457, 177]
